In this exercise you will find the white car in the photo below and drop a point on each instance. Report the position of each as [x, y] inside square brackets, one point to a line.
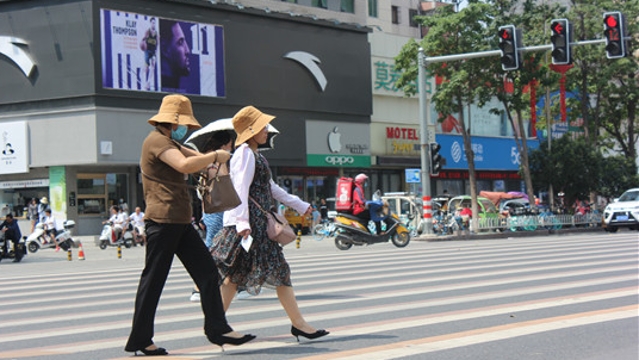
[623, 212]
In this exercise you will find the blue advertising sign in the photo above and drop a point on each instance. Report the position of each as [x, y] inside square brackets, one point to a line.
[413, 175]
[145, 53]
[490, 153]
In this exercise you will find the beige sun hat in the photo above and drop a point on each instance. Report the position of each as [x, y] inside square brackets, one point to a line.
[176, 109]
[44, 200]
[248, 122]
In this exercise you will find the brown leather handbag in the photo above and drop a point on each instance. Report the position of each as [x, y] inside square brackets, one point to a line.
[217, 191]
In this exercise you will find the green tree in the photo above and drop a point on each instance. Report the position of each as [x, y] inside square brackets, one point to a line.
[608, 89]
[451, 32]
[572, 167]
[478, 80]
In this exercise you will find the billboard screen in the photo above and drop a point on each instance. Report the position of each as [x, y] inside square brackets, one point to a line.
[147, 53]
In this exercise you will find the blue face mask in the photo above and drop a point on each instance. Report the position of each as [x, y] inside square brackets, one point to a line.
[179, 133]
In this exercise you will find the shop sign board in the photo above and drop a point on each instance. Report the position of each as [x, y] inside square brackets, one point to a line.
[14, 154]
[490, 153]
[337, 144]
[23, 184]
[402, 140]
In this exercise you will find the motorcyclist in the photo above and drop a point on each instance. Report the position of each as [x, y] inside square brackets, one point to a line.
[11, 232]
[360, 207]
[117, 220]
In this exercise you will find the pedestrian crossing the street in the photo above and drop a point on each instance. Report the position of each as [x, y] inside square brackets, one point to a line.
[558, 297]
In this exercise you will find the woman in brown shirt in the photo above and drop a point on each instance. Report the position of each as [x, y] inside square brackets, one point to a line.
[164, 163]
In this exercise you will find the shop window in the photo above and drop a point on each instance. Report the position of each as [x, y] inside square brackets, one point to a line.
[395, 14]
[372, 8]
[97, 192]
[348, 6]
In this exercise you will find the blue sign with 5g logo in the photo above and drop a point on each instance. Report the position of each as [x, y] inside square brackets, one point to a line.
[490, 153]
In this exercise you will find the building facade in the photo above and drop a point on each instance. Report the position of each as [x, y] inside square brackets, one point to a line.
[75, 99]
[77, 116]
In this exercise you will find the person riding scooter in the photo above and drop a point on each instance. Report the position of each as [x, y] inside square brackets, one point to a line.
[117, 220]
[360, 206]
[11, 232]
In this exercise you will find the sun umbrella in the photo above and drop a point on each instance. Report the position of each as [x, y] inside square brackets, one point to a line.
[200, 138]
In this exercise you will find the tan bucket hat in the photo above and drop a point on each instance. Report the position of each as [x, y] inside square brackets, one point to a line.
[248, 122]
[44, 200]
[176, 109]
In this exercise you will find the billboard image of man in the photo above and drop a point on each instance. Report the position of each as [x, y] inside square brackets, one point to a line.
[175, 56]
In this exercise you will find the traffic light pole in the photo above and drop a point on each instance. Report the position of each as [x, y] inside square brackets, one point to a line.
[425, 113]
[425, 120]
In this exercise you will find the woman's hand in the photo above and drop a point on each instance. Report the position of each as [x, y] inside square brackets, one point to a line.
[222, 156]
[309, 211]
[245, 233]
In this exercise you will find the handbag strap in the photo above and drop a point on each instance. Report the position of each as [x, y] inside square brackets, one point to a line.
[275, 218]
[258, 205]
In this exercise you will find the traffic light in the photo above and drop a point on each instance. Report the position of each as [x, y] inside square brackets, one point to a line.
[509, 43]
[615, 31]
[435, 158]
[561, 38]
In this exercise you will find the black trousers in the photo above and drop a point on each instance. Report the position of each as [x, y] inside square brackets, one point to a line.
[164, 241]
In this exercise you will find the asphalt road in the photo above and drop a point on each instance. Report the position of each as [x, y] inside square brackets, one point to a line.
[568, 296]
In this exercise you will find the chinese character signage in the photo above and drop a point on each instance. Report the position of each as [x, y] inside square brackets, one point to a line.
[146, 53]
[385, 76]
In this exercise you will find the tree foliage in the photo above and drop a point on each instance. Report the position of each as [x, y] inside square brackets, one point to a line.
[609, 89]
[564, 169]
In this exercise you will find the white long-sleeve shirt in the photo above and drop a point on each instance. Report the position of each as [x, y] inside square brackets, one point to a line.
[242, 172]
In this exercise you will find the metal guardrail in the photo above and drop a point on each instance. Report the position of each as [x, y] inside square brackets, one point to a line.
[543, 221]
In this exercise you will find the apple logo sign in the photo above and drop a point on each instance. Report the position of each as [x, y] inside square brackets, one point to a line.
[334, 144]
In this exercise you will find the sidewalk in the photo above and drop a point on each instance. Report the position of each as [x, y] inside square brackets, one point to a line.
[464, 235]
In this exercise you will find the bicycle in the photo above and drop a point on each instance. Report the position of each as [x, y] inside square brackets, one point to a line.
[324, 229]
[549, 220]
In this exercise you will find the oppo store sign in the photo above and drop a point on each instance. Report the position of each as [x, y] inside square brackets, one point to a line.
[337, 144]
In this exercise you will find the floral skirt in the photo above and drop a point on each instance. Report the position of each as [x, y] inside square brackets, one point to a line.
[264, 263]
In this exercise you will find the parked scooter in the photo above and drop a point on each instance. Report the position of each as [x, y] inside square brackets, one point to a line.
[350, 231]
[13, 251]
[36, 239]
[109, 237]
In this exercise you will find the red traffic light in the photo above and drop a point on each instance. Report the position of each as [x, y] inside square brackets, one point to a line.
[558, 28]
[505, 34]
[615, 33]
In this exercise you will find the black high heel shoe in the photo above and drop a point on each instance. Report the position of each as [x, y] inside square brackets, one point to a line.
[155, 352]
[221, 340]
[297, 332]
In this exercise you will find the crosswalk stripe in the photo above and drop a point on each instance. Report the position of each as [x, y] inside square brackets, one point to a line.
[510, 278]
[356, 289]
[449, 341]
[398, 323]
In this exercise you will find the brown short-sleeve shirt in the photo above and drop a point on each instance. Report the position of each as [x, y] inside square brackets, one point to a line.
[165, 202]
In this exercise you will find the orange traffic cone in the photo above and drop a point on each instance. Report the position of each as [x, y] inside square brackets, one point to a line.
[80, 252]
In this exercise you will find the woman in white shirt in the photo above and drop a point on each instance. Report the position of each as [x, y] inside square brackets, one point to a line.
[245, 226]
